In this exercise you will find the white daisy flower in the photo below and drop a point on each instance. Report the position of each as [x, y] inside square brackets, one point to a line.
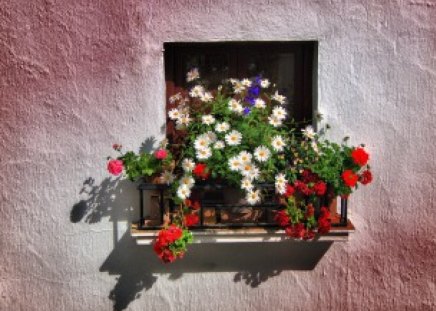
[262, 153]
[192, 75]
[167, 177]
[253, 197]
[308, 132]
[237, 86]
[188, 165]
[235, 106]
[281, 189]
[187, 181]
[259, 103]
[206, 97]
[175, 98]
[219, 144]
[183, 192]
[254, 173]
[203, 153]
[279, 98]
[233, 138]
[245, 156]
[274, 121]
[246, 184]
[201, 142]
[278, 143]
[249, 170]
[184, 120]
[280, 183]
[279, 112]
[246, 82]
[235, 164]
[222, 127]
[174, 114]
[264, 83]
[208, 119]
[211, 137]
[196, 91]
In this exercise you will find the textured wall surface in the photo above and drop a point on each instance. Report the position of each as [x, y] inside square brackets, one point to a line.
[77, 76]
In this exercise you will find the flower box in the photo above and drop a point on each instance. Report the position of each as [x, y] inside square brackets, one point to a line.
[236, 139]
[221, 206]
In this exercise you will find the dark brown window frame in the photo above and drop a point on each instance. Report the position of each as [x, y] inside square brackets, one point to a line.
[304, 74]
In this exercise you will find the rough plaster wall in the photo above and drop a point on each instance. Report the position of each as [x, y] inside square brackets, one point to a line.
[76, 76]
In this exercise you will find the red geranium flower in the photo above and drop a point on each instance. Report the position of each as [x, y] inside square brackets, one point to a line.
[360, 156]
[296, 231]
[289, 191]
[349, 178]
[302, 187]
[115, 167]
[161, 154]
[366, 177]
[282, 218]
[196, 205]
[307, 176]
[201, 171]
[320, 188]
[324, 222]
[310, 210]
[191, 220]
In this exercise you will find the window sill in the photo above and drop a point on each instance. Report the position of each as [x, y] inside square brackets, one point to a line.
[245, 235]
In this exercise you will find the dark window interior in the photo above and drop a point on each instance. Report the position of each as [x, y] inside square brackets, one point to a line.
[288, 64]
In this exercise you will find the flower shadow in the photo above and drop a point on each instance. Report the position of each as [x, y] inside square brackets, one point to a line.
[138, 268]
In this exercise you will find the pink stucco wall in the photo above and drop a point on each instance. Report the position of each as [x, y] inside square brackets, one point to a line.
[76, 76]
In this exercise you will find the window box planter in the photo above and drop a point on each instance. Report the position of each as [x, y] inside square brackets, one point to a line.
[224, 220]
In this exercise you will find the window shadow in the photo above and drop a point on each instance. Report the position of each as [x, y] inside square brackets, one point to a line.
[138, 268]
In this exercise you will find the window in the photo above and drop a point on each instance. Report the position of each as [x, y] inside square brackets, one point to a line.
[289, 64]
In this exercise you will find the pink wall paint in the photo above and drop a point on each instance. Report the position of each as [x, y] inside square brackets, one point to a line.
[77, 76]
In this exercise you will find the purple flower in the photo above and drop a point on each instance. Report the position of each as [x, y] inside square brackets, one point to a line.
[247, 110]
[253, 91]
[249, 100]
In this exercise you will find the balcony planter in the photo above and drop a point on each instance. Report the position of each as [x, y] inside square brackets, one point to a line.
[239, 136]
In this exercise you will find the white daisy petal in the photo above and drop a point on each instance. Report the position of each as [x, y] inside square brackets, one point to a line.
[262, 153]
[183, 192]
[188, 165]
[192, 75]
[222, 127]
[208, 119]
[279, 98]
[233, 138]
[203, 153]
[278, 143]
[253, 197]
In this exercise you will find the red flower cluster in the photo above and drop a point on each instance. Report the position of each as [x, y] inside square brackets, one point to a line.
[319, 188]
[115, 167]
[360, 156]
[201, 171]
[164, 239]
[366, 177]
[289, 191]
[349, 178]
[307, 176]
[282, 218]
[324, 221]
[302, 187]
[191, 219]
[299, 231]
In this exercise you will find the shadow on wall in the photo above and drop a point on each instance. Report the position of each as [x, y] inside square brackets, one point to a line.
[138, 267]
